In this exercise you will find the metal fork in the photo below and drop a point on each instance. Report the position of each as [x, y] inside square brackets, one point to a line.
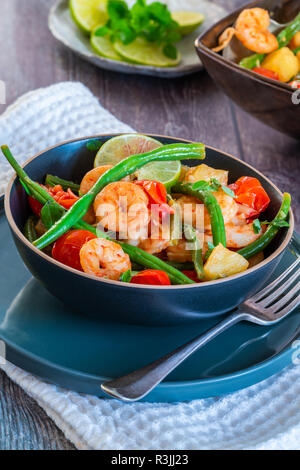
[267, 307]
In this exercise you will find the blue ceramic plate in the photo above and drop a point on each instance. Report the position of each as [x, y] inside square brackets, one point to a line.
[47, 339]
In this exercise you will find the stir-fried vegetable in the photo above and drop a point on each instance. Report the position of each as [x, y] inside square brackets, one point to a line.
[136, 254]
[191, 236]
[214, 210]
[67, 248]
[104, 254]
[54, 181]
[272, 230]
[152, 277]
[119, 171]
[283, 38]
[157, 194]
[249, 191]
[64, 198]
[29, 229]
[223, 263]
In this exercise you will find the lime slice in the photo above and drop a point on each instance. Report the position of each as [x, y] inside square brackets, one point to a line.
[141, 51]
[188, 21]
[103, 46]
[165, 172]
[88, 14]
[122, 146]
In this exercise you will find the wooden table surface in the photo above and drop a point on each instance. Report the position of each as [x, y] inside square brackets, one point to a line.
[191, 107]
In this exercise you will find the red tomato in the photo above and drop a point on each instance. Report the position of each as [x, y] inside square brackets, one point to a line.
[66, 249]
[153, 277]
[191, 275]
[250, 192]
[295, 83]
[157, 194]
[35, 206]
[65, 198]
[266, 73]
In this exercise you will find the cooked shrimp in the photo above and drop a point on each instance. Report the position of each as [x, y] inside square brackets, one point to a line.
[104, 258]
[123, 207]
[252, 30]
[153, 246]
[88, 181]
[91, 177]
[237, 236]
[191, 209]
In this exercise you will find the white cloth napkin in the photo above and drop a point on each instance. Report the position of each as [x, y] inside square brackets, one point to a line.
[264, 416]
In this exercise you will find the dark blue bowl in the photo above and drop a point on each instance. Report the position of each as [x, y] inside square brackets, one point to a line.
[109, 300]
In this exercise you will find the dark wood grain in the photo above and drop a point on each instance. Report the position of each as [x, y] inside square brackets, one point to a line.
[191, 107]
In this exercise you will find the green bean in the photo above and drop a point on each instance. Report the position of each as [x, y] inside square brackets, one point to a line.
[142, 258]
[252, 61]
[38, 192]
[283, 39]
[287, 33]
[181, 266]
[55, 180]
[191, 236]
[137, 255]
[29, 229]
[119, 171]
[260, 244]
[213, 208]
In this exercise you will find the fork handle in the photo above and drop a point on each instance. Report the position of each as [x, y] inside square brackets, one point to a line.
[138, 384]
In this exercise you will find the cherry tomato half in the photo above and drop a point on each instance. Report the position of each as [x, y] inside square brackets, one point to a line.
[65, 198]
[157, 194]
[67, 248]
[153, 277]
[250, 192]
[266, 73]
[191, 275]
[35, 206]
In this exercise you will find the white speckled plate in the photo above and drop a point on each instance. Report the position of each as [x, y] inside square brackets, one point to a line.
[65, 30]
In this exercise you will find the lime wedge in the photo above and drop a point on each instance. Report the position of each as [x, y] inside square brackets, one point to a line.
[103, 46]
[188, 21]
[88, 14]
[165, 172]
[122, 146]
[141, 51]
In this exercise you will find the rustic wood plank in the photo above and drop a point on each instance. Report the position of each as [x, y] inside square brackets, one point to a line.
[23, 424]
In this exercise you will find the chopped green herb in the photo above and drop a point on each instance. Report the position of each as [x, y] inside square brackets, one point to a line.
[202, 186]
[50, 214]
[212, 185]
[152, 22]
[276, 223]
[256, 226]
[126, 277]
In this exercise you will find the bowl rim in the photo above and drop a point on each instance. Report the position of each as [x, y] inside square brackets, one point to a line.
[230, 64]
[48, 258]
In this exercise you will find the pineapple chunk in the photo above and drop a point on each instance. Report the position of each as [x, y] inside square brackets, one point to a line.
[205, 173]
[223, 263]
[283, 62]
